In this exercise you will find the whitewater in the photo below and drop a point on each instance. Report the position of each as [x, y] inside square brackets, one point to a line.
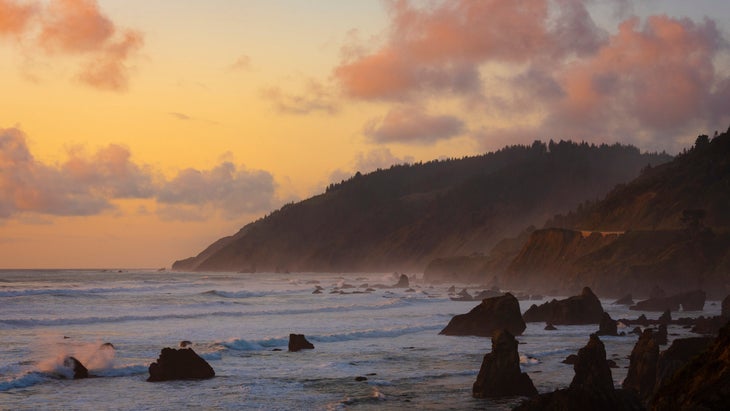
[239, 322]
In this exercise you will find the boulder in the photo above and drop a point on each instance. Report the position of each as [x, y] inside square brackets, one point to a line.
[661, 336]
[607, 326]
[182, 364]
[491, 315]
[500, 374]
[79, 370]
[642, 366]
[689, 301]
[591, 389]
[550, 327]
[581, 309]
[299, 342]
[402, 282]
[703, 383]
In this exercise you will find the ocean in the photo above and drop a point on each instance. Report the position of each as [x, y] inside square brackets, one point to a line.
[236, 321]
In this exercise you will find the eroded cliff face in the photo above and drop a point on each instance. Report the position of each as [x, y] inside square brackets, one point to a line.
[615, 264]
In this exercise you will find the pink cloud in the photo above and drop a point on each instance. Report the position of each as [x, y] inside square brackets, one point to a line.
[77, 28]
[15, 16]
[88, 184]
[413, 124]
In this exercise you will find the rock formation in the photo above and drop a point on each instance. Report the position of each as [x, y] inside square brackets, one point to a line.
[182, 364]
[500, 374]
[607, 326]
[726, 307]
[402, 282]
[643, 366]
[299, 342]
[677, 356]
[625, 300]
[491, 315]
[703, 383]
[591, 389]
[79, 370]
[581, 309]
[689, 301]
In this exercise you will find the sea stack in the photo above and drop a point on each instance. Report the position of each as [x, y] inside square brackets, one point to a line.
[182, 364]
[298, 342]
[491, 315]
[500, 374]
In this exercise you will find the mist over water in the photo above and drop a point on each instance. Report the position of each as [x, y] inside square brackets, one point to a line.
[235, 321]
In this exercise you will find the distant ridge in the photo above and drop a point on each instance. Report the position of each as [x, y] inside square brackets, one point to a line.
[403, 217]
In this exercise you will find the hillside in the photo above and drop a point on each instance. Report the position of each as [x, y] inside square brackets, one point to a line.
[670, 228]
[403, 217]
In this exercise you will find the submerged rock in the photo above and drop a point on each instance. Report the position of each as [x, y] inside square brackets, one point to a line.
[182, 364]
[79, 370]
[491, 315]
[500, 374]
[581, 309]
[299, 342]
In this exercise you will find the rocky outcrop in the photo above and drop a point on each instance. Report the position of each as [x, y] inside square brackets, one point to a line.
[726, 307]
[182, 364]
[491, 315]
[298, 342]
[500, 374]
[703, 383]
[689, 301]
[677, 356]
[581, 309]
[79, 371]
[643, 361]
[591, 389]
[607, 326]
[402, 282]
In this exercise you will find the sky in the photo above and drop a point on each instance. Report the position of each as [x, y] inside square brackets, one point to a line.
[134, 133]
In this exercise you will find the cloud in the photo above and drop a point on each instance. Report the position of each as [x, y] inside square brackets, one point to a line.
[546, 66]
[74, 28]
[89, 184]
[315, 98]
[412, 125]
[242, 63]
[180, 116]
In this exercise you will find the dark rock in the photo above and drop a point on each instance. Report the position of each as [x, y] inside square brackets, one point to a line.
[500, 375]
[703, 383]
[607, 326]
[570, 360]
[611, 364]
[108, 345]
[550, 327]
[726, 307]
[299, 342]
[79, 370]
[708, 326]
[451, 289]
[402, 282]
[277, 349]
[361, 378]
[636, 330]
[581, 309]
[642, 366]
[182, 364]
[317, 292]
[491, 315]
[642, 320]
[678, 355]
[625, 300]
[689, 301]
[591, 389]
[661, 335]
[185, 344]
[665, 318]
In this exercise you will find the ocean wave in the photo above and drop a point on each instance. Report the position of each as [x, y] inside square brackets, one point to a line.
[75, 292]
[24, 381]
[33, 322]
[277, 342]
[235, 294]
[124, 371]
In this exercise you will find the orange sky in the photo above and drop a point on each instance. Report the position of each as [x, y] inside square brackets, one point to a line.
[134, 133]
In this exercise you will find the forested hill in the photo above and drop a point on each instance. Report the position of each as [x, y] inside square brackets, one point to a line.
[403, 217]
